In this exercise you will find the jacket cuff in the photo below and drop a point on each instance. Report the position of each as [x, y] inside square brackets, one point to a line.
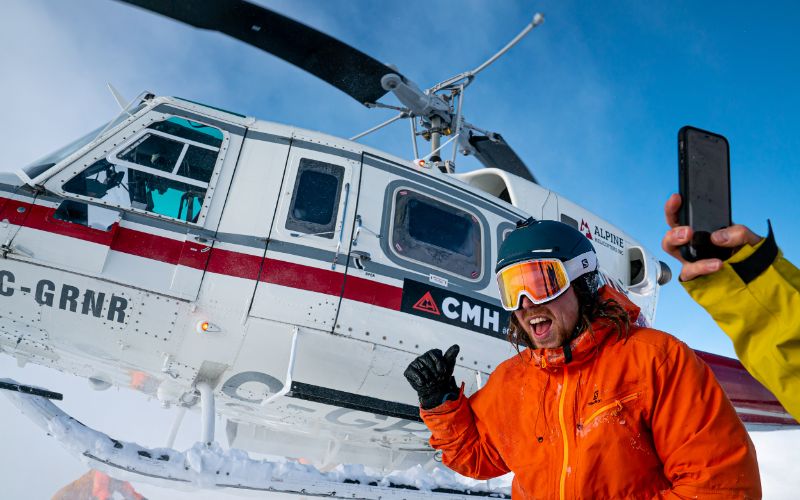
[758, 261]
[447, 406]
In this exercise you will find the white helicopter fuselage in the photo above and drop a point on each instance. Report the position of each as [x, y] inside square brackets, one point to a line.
[286, 254]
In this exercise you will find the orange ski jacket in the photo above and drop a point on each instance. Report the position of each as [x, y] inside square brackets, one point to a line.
[642, 418]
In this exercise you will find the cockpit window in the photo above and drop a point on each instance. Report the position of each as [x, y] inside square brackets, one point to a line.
[198, 163]
[193, 131]
[153, 151]
[42, 165]
[182, 147]
[165, 171]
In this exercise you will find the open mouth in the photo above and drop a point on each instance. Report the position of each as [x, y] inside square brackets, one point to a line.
[540, 326]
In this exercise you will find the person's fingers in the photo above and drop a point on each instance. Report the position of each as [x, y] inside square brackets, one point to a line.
[450, 357]
[671, 209]
[415, 374]
[431, 360]
[675, 238]
[734, 236]
[441, 366]
[430, 357]
[692, 270]
[426, 374]
[414, 377]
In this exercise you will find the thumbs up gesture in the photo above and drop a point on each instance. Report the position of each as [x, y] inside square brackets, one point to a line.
[431, 375]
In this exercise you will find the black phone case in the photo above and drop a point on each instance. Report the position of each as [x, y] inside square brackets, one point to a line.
[700, 246]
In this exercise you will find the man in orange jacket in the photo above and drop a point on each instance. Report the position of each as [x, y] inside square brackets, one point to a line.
[593, 406]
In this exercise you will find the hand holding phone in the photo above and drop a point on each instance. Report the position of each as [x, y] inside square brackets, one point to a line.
[733, 237]
[704, 181]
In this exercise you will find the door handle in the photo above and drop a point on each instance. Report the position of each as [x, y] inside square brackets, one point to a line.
[359, 227]
[359, 258]
[206, 240]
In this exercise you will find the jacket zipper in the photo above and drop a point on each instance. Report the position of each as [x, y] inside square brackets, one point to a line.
[562, 423]
[617, 404]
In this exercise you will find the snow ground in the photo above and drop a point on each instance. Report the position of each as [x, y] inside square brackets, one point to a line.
[778, 458]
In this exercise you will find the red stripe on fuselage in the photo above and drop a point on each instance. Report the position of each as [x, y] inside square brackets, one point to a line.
[43, 218]
[120, 239]
[13, 210]
[295, 275]
[225, 262]
[149, 246]
[373, 292]
[240, 265]
[194, 255]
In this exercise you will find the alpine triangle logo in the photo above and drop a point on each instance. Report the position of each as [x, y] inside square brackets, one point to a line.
[427, 304]
[586, 229]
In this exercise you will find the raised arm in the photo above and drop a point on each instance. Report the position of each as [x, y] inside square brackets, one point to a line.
[754, 296]
[464, 441]
[755, 299]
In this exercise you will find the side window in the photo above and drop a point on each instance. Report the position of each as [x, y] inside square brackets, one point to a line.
[436, 234]
[86, 215]
[315, 198]
[165, 171]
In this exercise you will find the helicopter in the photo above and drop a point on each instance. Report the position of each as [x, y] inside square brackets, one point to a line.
[135, 258]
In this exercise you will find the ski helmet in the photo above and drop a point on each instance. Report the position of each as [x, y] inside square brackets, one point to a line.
[543, 239]
[535, 241]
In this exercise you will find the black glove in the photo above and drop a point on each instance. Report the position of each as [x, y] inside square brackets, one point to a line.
[431, 375]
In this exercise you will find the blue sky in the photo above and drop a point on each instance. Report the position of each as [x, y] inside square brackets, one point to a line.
[591, 100]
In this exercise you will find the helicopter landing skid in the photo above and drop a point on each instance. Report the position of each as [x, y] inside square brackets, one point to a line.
[207, 465]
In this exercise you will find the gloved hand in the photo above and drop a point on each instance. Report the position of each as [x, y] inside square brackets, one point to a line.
[431, 375]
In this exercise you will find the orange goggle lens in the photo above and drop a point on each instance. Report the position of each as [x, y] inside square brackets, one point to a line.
[539, 280]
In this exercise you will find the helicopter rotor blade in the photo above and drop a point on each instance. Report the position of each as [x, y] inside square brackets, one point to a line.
[493, 152]
[346, 68]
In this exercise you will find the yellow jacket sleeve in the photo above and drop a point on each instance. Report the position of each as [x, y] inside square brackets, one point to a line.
[755, 299]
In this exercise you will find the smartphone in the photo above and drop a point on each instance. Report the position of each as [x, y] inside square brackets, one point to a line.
[705, 189]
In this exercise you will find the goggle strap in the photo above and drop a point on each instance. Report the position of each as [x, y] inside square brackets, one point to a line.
[580, 265]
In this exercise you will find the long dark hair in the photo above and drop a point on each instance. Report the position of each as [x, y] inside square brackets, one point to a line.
[591, 308]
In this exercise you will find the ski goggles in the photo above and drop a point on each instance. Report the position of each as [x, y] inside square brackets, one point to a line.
[541, 280]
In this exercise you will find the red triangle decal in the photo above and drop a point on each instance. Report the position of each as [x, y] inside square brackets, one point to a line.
[427, 304]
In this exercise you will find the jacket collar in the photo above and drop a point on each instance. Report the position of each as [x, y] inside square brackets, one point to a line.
[583, 347]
